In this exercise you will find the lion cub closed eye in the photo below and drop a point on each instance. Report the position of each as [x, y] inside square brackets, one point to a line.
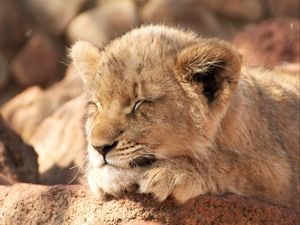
[180, 116]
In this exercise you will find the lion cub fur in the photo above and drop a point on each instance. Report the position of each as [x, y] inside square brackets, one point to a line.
[183, 117]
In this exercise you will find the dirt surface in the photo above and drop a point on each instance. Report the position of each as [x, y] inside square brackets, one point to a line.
[34, 204]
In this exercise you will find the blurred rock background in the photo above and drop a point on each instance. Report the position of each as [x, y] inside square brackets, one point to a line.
[40, 94]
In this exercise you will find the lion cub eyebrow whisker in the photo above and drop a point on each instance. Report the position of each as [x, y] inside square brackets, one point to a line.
[98, 104]
[136, 106]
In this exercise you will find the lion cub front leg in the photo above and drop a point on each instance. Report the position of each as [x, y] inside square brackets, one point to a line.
[178, 178]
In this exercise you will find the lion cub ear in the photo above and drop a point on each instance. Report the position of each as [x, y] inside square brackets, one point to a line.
[85, 58]
[211, 65]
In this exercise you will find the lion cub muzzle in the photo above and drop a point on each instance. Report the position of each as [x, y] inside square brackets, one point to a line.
[142, 161]
[104, 149]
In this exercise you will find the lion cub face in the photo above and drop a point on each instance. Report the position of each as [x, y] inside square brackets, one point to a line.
[155, 93]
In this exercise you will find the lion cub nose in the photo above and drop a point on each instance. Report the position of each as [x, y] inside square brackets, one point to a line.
[104, 149]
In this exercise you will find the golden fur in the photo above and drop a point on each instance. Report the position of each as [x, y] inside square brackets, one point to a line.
[179, 115]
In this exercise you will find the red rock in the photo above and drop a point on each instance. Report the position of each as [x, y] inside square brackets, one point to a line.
[38, 104]
[34, 204]
[191, 14]
[3, 72]
[142, 223]
[39, 62]
[54, 15]
[100, 24]
[60, 143]
[270, 43]
[247, 10]
[284, 8]
[103, 2]
[18, 161]
[5, 180]
[140, 2]
[291, 68]
[8, 92]
[52, 112]
[14, 27]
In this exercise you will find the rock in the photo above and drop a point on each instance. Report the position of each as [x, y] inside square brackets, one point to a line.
[60, 143]
[247, 10]
[142, 223]
[37, 104]
[270, 42]
[191, 14]
[103, 23]
[37, 63]
[290, 68]
[3, 72]
[5, 180]
[28, 104]
[34, 204]
[54, 15]
[8, 92]
[140, 3]
[14, 27]
[18, 161]
[103, 2]
[287, 8]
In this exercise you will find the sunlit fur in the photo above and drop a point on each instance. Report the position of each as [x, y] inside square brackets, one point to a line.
[244, 140]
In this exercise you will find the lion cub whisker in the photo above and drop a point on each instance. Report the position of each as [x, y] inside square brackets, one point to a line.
[188, 119]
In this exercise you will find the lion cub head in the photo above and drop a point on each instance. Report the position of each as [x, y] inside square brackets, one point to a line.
[154, 93]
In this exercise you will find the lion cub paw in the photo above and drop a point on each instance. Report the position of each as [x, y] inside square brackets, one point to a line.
[157, 181]
[165, 180]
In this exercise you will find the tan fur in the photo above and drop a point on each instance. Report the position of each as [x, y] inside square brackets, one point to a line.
[238, 132]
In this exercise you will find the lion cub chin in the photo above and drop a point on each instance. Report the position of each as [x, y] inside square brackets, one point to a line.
[162, 180]
[110, 180]
[178, 115]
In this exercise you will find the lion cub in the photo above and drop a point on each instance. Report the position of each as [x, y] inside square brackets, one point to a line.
[179, 115]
